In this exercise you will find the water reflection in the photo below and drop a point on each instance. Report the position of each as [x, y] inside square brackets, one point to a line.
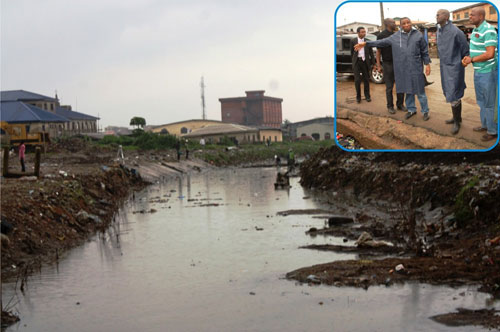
[190, 267]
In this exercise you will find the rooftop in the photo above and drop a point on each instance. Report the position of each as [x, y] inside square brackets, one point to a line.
[19, 112]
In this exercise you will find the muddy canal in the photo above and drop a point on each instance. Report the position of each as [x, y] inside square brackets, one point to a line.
[209, 253]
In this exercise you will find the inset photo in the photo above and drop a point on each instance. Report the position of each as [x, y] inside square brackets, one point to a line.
[416, 76]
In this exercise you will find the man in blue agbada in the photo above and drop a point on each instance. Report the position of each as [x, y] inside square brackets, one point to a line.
[409, 53]
[452, 48]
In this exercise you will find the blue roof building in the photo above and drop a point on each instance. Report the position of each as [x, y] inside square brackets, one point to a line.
[21, 95]
[19, 112]
[72, 115]
[20, 106]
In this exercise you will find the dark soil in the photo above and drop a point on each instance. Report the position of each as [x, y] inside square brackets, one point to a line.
[487, 318]
[78, 193]
[459, 248]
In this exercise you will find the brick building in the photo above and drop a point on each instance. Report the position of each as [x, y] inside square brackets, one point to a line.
[253, 110]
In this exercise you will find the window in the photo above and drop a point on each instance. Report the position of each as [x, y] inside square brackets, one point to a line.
[493, 10]
[466, 15]
[316, 136]
[458, 16]
[370, 29]
[184, 130]
[327, 136]
[275, 138]
[51, 107]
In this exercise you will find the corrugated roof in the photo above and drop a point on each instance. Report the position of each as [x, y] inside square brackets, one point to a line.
[19, 112]
[227, 128]
[21, 95]
[72, 115]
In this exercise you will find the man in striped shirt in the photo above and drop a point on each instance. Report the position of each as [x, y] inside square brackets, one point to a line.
[483, 56]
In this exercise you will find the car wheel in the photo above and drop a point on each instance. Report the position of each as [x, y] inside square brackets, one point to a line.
[376, 76]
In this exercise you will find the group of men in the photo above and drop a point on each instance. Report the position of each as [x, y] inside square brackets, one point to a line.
[405, 52]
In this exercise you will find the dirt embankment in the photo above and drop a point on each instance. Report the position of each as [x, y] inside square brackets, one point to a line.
[445, 224]
[59, 211]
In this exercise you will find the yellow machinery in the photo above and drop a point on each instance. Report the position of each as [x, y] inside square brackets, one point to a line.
[30, 134]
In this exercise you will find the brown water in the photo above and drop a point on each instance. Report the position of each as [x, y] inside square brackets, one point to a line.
[192, 268]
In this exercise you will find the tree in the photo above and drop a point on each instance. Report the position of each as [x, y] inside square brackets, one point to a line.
[138, 122]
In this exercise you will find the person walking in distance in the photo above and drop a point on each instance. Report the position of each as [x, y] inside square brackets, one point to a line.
[362, 62]
[22, 150]
[452, 48]
[388, 69]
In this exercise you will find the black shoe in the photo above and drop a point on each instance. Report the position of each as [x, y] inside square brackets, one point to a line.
[426, 116]
[402, 108]
[368, 99]
[358, 100]
[391, 110]
[456, 128]
[409, 115]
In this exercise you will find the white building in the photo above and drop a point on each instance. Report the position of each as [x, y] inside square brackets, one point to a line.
[352, 27]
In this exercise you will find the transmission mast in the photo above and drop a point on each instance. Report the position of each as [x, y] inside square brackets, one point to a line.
[202, 85]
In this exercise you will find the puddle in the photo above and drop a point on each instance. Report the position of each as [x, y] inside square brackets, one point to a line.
[218, 267]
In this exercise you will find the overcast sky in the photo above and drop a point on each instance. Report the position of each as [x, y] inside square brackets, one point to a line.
[124, 58]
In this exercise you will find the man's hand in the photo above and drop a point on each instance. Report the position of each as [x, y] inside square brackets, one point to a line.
[359, 46]
[466, 60]
[428, 70]
[379, 68]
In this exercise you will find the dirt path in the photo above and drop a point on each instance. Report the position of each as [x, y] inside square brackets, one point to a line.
[394, 130]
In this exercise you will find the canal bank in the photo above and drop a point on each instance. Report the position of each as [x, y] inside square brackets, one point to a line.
[208, 251]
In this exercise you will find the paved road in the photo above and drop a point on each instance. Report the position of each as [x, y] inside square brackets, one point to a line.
[439, 109]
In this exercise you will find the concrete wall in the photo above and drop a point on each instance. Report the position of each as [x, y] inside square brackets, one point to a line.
[275, 135]
[243, 137]
[177, 128]
[491, 14]
[320, 131]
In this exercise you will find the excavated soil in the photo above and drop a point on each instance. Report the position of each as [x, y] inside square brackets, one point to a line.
[458, 245]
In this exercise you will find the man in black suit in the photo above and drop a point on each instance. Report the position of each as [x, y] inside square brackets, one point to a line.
[388, 69]
[362, 62]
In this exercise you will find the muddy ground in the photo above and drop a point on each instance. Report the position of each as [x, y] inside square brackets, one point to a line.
[445, 227]
[453, 199]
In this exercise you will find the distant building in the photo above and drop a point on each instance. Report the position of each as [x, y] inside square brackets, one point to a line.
[117, 131]
[318, 128]
[352, 27]
[253, 110]
[75, 122]
[460, 16]
[243, 134]
[181, 128]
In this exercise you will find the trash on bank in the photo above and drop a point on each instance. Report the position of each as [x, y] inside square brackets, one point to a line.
[83, 216]
[313, 279]
[366, 240]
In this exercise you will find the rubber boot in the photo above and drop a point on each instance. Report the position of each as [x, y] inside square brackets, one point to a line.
[457, 118]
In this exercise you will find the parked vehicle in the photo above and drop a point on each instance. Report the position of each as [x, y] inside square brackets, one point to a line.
[344, 59]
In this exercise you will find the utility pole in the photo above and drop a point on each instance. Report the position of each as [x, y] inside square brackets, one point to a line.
[202, 85]
[382, 15]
